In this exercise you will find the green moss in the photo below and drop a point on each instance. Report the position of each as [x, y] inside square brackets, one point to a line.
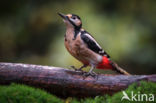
[16, 93]
[141, 88]
[97, 99]
[23, 94]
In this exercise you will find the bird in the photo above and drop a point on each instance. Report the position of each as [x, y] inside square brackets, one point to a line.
[82, 45]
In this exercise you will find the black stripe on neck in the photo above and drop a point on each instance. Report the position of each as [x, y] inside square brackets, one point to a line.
[76, 28]
[76, 31]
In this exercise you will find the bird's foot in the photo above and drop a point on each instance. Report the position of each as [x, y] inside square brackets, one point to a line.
[76, 69]
[93, 74]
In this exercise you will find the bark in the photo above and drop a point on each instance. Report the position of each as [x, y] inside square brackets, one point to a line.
[64, 82]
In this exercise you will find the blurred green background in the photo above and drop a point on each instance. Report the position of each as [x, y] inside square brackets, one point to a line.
[32, 32]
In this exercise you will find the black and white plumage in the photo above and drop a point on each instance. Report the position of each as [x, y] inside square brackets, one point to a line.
[92, 44]
[84, 47]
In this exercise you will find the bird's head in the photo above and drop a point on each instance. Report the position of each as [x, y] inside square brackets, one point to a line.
[71, 20]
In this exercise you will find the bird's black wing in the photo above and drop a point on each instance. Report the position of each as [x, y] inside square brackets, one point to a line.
[92, 44]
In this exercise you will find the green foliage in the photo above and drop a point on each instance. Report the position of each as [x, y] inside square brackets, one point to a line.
[23, 94]
[142, 88]
[97, 99]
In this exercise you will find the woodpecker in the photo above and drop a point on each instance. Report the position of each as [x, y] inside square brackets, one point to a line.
[84, 47]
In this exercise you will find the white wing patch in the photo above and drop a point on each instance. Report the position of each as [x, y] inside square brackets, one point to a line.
[92, 44]
[89, 36]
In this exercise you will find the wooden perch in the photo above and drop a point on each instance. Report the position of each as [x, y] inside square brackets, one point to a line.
[64, 82]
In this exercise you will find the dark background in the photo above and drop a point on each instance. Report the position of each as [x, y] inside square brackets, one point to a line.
[32, 32]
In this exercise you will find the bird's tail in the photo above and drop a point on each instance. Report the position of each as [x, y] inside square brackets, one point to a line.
[108, 64]
[119, 69]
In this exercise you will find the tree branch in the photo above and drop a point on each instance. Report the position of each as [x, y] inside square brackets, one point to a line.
[64, 82]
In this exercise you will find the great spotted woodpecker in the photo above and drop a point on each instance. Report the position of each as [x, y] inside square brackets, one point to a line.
[84, 47]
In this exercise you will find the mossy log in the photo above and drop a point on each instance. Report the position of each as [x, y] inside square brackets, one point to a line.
[64, 82]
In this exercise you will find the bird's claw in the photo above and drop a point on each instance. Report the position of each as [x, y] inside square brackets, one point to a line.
[93, 74]
[76, 69]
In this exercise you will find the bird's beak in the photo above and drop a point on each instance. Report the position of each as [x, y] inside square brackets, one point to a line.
[62, 15]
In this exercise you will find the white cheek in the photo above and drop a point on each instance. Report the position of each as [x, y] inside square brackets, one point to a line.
[71, 20]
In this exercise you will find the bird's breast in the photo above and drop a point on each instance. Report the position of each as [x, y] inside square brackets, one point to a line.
[73, 46]
[79, 50]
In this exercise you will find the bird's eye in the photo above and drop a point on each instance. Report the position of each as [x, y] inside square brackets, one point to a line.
[74, 17]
